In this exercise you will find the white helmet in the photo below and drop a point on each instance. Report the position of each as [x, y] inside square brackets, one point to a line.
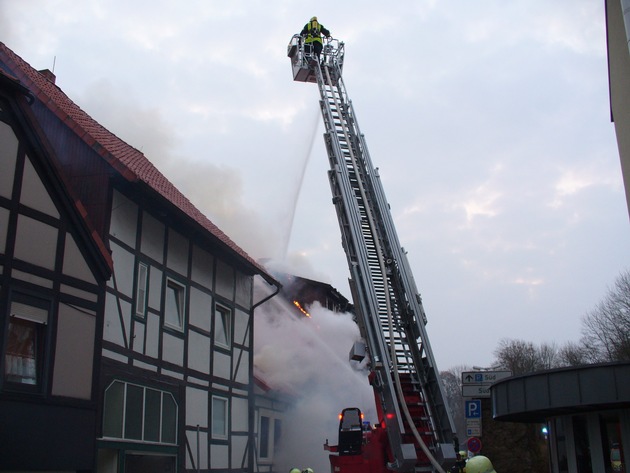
[479, 464]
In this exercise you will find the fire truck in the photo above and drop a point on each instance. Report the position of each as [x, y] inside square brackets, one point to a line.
[415, 430]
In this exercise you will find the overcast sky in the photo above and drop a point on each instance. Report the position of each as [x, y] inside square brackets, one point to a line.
[489, 122]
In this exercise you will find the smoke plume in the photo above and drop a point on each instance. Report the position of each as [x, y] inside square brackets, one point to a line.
[307, 358]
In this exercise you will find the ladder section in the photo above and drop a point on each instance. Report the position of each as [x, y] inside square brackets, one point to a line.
[387, 319]
[351, 193]
[409, 395]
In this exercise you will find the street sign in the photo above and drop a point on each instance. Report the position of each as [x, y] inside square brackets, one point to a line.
[473, 427]
[473, 409]
[484, 377]
[474, 445]
[476, 390]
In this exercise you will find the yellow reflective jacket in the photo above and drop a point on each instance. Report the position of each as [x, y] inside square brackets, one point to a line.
[313, 31]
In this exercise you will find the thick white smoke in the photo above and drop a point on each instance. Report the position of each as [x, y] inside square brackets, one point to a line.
[307, 357]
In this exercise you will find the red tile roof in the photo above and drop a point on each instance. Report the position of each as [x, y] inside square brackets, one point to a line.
[131, 163]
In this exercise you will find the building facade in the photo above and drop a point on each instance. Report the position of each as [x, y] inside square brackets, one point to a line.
[617, 41]
[132, 312]
[52, 277]
[586, 410]
[178, 343]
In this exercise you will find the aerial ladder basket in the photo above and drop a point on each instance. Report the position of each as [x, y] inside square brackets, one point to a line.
[304, 60]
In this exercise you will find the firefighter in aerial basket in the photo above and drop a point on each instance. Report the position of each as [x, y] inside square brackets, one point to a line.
[479, 464]
[312, 33]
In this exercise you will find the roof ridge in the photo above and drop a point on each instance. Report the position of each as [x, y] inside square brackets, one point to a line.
[131, 163]
[53, 97]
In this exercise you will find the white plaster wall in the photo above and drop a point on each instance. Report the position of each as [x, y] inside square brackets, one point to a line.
[74, 263]
[239, 450]
[219, 456]
[138, 337]
[244, 290]
[239, 414]
[225, 280]
[177, 256]
[152, 243]
[240, 326]
[203, 450]
[172, 374]
[152, 342]
[198, 352]
[221, 365]
[74, 353]
[154, 299]
[202, 267]
[29, 277]
[73, 291]
[241, 374]
[122, 279]
[112, 329]
[145, 366]
[200, 311]
[124, 219]
[8, 154]
[196, 407]
[172, 349]
[34, 194]
[36, 242]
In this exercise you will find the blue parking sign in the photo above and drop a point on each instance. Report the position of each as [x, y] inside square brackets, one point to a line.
[473, 409]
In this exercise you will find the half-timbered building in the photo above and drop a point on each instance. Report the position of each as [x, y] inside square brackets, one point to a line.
[53, 269]
[161, 352]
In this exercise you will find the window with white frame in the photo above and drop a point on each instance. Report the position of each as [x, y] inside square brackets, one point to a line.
[140, 413]
[141, 289]
[25, 342]
[175, 304]
[222, 325]
[219, 417]
[269, 430]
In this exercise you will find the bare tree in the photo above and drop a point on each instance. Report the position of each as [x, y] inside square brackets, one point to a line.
[548, 356]
[518, 356]
[606, 329]
[452, 380]
[524, 357]
[573, 354]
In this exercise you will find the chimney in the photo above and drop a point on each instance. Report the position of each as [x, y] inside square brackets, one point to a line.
[48, 74]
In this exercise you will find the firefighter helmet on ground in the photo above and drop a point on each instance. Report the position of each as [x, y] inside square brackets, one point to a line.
[479, 464]
[295, 470]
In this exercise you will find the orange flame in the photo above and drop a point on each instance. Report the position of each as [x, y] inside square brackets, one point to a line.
[299, 306]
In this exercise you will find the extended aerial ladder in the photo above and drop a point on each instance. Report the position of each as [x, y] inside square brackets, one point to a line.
[409, 395]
